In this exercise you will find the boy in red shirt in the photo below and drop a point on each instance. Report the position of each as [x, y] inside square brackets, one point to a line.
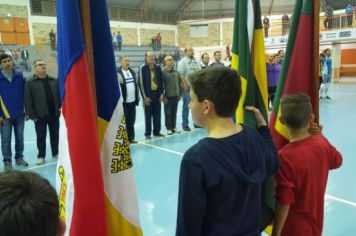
[304, 167]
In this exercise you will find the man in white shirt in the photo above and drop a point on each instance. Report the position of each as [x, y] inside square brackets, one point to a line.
[129, 91]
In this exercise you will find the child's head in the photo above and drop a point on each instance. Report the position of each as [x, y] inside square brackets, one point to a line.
[296, 110]
[28, 205]
[214, 91]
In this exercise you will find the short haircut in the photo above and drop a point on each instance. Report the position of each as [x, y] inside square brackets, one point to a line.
[4, 56]
[205, 53]
[222, 86]
[168, 55]
[28, 205]
[122, 57]
[296, 110]
[279, 51]
[216, 52]
[37, 60]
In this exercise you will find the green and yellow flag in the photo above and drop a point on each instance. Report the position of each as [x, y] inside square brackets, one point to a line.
[248, 58]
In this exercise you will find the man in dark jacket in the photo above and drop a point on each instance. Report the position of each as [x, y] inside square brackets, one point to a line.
[129, 91]
[42, 105]
[151, 88]
[12, 84]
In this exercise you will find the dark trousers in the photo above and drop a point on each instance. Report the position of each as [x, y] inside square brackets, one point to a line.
[153, 111]
[119, 45]
[170, 112]
[349, 20]
[41, 131]
[130, 117]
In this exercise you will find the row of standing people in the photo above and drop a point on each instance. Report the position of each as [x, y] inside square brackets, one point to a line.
[20, 57]
[274, 65]
[36, 99]
[221, 176]
[157, 86]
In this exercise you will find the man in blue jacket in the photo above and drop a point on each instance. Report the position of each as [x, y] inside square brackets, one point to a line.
[12, 85]
[151, 88]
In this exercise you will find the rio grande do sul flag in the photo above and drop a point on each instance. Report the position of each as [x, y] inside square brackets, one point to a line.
[298, 71]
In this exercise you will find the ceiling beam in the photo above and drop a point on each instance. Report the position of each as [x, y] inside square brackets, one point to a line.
[186, 6]
[145, 7]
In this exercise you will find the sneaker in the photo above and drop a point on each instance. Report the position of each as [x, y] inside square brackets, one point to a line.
[196, 126]
[133, 142]
[21, 162]
[327, 97]
[8, 165]
[55, 156]
[176, 131]
[169, 132]
[148, 137]
[186, 128]
[321, 99]
[159, 135]
[40, 161]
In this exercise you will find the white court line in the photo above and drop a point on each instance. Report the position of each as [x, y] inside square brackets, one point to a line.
[341, 200]
[181, 154]
[139, 124]
[168, 136]
[29, 142]
[338, 93]
[41, 166]
[161, 148]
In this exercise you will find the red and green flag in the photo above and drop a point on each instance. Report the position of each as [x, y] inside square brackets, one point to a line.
[300, 68]
[248, 58]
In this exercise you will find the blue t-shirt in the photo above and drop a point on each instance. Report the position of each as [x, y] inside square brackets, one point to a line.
[220, 184]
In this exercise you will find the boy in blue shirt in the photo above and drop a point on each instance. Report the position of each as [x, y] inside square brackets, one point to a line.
[221, 176]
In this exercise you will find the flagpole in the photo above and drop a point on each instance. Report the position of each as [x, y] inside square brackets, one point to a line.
[86, 26]
[315, 101]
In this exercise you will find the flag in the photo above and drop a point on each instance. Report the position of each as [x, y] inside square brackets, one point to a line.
[95, 177]
[248, 58]
[298, 70]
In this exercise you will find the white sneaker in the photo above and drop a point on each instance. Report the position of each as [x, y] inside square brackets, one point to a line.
[176, 131]
[169, 132]
[40, 161]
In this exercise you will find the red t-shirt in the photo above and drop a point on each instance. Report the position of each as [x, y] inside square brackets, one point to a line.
[301, 183]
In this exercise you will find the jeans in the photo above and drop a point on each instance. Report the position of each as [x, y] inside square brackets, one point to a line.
[41, 133]
[185, 110]
[6, 131]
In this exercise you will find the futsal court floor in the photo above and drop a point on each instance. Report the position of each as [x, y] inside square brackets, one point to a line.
[157, 163]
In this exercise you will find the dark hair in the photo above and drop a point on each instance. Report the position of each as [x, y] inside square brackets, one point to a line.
[325, 51]
[202, 56]
[222, 86]
[37, 60]
[4, 56]
[296, 110]
[216, 52]
[28, 205]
